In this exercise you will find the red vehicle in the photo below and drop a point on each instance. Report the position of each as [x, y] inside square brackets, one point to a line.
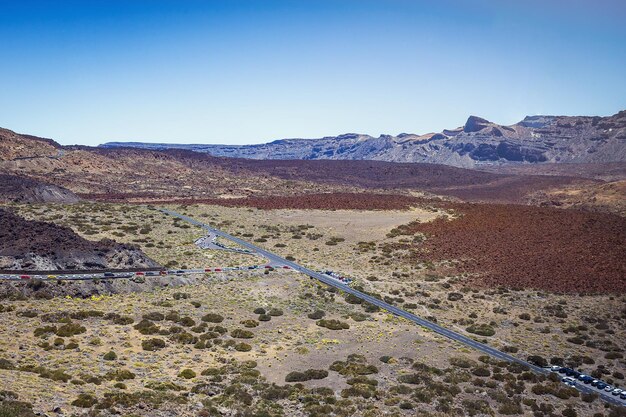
[139, 274]
[286, 267]
[24, 276]
[267, 266]
[162, 272]
[207, 270]
[218, 270]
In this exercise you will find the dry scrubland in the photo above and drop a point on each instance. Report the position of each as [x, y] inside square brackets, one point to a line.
[207, 347]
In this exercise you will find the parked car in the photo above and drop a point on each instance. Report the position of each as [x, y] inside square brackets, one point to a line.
[555, 368]
[609, 388]
[617, 391]
[569, 381]
[52, 277]
[564, 370]
[24, 276]
[139, 274]
[109, 274]
[623, 395]
[594, 383]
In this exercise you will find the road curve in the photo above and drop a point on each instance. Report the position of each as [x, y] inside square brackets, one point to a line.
[467, 341]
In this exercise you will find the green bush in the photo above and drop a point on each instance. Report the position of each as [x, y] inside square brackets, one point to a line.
[316, 315]
[243, 347]
[259, 310]
[70, 329]
[85, 401]
[110, 356]
[265, 317]
[481, 329]
[333, 324]
[146, 327]
[154, 316]
[213, 318]
[242, 334]
[152, 344]
[187, 374]
[274, 312]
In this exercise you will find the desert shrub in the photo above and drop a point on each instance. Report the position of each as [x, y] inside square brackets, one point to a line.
[110, 356]
[613, 355]
[152, 344]
[414, 379]
[455, 296]
[187, 374]
[119, 375]
[70, 329]
[259, 310]
[250, 324]
[355, 365]
[6, 364]
[243, 347]
[265, 317]
[385, 358]
[154, 316]
[146, 327]
[86, 314]
[461, 362]
[333, 324]
[187, 322]
[275, 312]
[123, 320]
[481, 329]
[45, 330]
[406, 405]
[352, 299]
[27, 313]
[85, 401]
[212, 318]
[242, 334]
[184, 338]
[180, 296]
[481, 371]
[163, 386]
[537, 360]
[316, 315]
[524, 316]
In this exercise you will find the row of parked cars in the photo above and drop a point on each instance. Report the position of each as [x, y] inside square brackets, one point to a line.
[572, 377]
[338, 277]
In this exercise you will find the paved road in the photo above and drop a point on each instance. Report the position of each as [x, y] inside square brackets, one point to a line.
[467, 341]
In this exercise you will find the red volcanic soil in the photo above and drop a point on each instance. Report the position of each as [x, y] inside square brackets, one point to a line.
[325, 201]
[557, 250]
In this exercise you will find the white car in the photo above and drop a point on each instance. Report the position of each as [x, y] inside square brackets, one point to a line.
[617, 391]
[609, 388]
[569, 381]
[555, 368]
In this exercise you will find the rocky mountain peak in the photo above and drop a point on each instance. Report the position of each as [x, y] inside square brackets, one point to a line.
[475, 124]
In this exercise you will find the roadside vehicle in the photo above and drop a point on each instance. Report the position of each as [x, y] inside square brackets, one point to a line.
[162, 272]
[267, 266]
[139, 274]
[601, 385]
[594, 382]
[52, 277]
[109, 274]
[180, 271]
[252, 267]
[623, 395]
[587, 379]
[208, 270]
[564, 370]
[286, 267]
[152, 273]
[609, 388]
[24, 276]
[218, 270]
[555, 368]
[617, 391]
[569, 381]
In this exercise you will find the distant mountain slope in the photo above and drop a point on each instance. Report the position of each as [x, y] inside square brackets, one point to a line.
[535, 139]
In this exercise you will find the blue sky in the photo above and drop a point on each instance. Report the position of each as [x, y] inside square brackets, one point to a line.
[237, 71]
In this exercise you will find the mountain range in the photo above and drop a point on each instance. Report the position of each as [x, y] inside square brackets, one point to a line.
[479, 142]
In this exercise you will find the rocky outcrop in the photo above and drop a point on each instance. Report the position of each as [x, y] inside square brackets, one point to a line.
[479, 142]
[18, 189]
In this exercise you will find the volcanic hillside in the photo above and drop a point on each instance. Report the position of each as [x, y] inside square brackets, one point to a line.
[35, 245]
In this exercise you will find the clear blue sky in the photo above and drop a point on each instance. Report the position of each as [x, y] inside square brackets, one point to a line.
[238, 72]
